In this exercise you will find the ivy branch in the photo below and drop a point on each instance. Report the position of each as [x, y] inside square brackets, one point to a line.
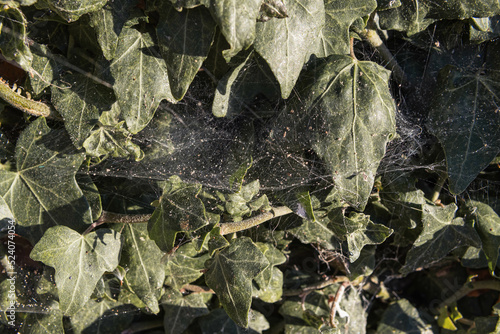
[225, 228]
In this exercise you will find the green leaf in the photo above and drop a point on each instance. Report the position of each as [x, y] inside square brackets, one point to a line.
[487, 224]
[402, 317]
[238, 88]
[181, 311]
[48, 322]
[91, 193]
[270, 280]
[109, 22]
[13, 36]
[184, 39]
[142, 260]
[358, 230]
[43, 191]
[219, 322]
[72, 10]
[180, 210]
[179, 4]
[141, 79]
[80, 104]
[102, 316]
[230, 273]
[236, 20]
[466, 121]
[43, 69]
[239, 204]
[484, 29]
[339, 16]
[286, 44]
[79, 262]
[184, 266]
[441, 234]
[346, 113]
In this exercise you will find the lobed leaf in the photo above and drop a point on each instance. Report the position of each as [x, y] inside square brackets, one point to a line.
[79, 261]
[465, 119]
[72, 10]
[441, 234]
[181, 311]
[43, 191]
[230, 273]
[184, 266]
[401, 317]
[286, 44]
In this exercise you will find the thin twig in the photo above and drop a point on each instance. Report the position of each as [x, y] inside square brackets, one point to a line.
[197, 289]
[336, 302]
[316, 286]
[466, 289]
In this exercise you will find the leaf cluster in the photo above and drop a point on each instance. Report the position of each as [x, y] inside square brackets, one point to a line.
[296, 166]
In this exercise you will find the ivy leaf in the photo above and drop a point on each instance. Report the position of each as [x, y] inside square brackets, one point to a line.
[43, 69]
[184, 39]
[358, 230]
[80, 105]
[109, 22]
[219, 322]
[179, 4]
[339, 16]
[487, 224]
[346, 112]
[142, 258]
[102, 316]
[181, 311]
[239, 204]
[180, 210]
[441, 234]
[286, 44]
[141, 79]
[184, 266]
[484, 29]
[72, 10]
[50, 321]
[466, 121]
[238, 88]
[236, 20]
[270, 280]
[13, 36]
[79, 261]
[401, 317]
[43, 191]
[230, 273]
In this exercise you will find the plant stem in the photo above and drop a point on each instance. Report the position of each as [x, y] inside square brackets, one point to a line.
[439, 185]
[316, 286]
[466, 289]
[371, 36]
[111, 217]
[197, 289]
[228, 228]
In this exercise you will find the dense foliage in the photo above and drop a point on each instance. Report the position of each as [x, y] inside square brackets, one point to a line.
[297, 166]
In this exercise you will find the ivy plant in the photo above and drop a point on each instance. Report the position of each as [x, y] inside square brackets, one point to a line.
[257, 166]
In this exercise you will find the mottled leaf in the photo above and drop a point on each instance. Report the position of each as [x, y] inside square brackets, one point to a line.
[441, 234]
[236, 20]
[80, 104]
[184, 266]
[238, 88]
[102, 316]
[141, 258]
[286, 44]
[43, 69]
[339, 16]
[79, 262]
[180, 210]
[219, 322]
[184, 40]
[358, 230]
[43, 191]
[487, 224]
[71, 10]
[141, 79]
[402, 317]
[466, 120]
[270, 280]
[181, 310]
[13, 36]
[47, 322]
[109, 22]
[230, 273]
[346, 113]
